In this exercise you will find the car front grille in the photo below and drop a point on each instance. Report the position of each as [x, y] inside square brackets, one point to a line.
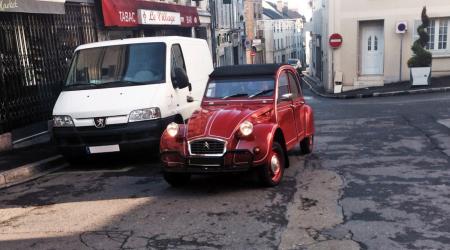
[207, 147]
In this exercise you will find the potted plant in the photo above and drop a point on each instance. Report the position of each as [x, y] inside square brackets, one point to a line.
[420, 62]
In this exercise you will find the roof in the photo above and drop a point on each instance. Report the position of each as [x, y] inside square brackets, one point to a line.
[246, 70]
[164, 39]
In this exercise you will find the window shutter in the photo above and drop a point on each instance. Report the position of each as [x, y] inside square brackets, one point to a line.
[415, 35]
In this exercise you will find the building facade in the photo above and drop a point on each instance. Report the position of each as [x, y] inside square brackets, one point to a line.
[229, 30]
[254, 46]
[283, 33]
[373, 53]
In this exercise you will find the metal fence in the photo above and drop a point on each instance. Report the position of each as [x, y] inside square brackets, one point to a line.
[35, 51]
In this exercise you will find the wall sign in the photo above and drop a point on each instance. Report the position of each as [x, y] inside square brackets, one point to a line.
[33, 6]
[155, 17]
[335, 40]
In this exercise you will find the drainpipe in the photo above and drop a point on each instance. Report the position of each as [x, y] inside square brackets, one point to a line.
[212, 10]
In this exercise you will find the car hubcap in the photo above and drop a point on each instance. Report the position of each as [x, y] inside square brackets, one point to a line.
[275, 167]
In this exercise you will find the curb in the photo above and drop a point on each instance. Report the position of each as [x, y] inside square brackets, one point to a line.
[307, 80]
[31, 171]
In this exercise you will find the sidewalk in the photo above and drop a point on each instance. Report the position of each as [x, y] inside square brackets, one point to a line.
[34, 158]
[441, 84]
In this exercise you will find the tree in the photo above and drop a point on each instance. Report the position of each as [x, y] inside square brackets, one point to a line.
[421, 57]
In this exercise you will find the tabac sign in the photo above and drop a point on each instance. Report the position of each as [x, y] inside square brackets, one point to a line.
[132, 13]
[33, 6]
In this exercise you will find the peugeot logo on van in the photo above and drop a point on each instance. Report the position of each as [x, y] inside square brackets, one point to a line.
[100, 122]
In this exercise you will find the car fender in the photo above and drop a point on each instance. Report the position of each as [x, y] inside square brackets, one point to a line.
[309, 115]
[177, 143]
[262, 137]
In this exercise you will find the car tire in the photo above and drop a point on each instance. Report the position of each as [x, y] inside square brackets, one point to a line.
[177, 179]
[307, 145]
[272, 172]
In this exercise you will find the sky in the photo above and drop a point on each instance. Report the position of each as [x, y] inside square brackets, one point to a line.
[302, 6]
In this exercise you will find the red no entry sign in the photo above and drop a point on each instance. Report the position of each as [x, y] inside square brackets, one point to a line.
[335, 40]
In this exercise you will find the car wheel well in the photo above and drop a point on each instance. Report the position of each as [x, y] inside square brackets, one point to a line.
[279, 137]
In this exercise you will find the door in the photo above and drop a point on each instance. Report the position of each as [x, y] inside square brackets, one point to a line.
[180, 95]
[298, 104]
[285, 111]
[372, 48]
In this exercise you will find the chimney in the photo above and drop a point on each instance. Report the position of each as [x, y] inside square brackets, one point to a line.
[280, 5]
[285, 8]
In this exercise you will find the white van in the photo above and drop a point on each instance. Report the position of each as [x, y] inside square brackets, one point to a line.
[121, 94]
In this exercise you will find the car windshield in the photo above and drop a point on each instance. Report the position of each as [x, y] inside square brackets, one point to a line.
[292, 61]
[119, 65]
[242, 88]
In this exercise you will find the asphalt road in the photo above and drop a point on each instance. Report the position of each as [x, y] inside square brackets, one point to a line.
[379, 179]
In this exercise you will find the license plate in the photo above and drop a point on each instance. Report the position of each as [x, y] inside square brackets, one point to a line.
[104, 149]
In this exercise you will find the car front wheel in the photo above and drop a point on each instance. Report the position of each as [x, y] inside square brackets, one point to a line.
[177, 179]
[272, 172]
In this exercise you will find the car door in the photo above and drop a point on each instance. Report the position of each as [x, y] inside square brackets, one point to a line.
[180, 100]
[298, 104]
[285, 111]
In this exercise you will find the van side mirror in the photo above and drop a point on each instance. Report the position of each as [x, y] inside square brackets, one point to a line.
[181, 80]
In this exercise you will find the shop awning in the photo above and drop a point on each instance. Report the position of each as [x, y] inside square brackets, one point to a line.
[132, 13]
[33, 6]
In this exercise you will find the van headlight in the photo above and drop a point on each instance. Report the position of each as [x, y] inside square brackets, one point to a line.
[246, 128]
[172, 129]
[60, 121]
[144, 115]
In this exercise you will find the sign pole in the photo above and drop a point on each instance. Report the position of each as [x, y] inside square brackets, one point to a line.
[401, 56]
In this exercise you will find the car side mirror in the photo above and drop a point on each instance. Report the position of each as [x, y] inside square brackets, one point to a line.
[189, 99]
[181, 80]
[287, 97]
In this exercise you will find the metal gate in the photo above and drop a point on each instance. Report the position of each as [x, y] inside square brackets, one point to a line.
[35, 51]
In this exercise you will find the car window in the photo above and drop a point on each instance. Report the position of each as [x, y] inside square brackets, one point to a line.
[293, 84]
[177, 60]
[283, 85]
[240, 87]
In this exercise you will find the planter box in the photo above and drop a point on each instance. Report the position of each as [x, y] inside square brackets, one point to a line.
[420, 76]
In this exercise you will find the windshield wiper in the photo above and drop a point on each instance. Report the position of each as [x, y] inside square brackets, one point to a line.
[261, 93]
[78, 84]
[236, 95]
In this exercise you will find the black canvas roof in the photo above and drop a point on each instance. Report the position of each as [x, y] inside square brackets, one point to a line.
[246, 70]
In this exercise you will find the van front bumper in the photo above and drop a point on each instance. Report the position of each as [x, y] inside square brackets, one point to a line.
[129, 136]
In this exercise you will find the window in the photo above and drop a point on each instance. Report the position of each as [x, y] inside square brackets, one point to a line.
[443, 31]
[438, 32]
[375, 45]
[177, 60]
[369, 46]
[431, 31]
[283, 85]
[293, 84]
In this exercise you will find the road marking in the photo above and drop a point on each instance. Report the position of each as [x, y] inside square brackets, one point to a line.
[445, 122]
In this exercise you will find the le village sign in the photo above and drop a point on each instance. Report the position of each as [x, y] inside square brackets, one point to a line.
[33, 6]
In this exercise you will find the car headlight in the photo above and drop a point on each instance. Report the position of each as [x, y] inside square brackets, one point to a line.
[62, 121]
[246, 128]
[172, 129]
[144, 115]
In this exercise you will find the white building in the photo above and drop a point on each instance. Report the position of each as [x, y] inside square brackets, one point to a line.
[229, 29]
[283, 33]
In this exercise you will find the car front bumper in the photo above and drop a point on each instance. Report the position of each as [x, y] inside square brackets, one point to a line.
[231, 161]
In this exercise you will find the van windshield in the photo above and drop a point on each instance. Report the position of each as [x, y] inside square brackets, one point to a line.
[117, 66]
